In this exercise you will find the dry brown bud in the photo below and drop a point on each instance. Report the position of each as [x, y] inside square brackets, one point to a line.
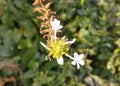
[52, 12]
[42, 10]
[47, 5]
[47, 13]
[42, 3]
[36, 9]
[36, 2]
[45, 31]
[41, 18]
[43, 24]
[47, 36]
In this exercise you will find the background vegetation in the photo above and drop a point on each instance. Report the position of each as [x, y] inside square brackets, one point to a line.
[94, 23]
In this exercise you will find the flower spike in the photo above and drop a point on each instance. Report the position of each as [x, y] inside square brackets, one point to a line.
[50, 27]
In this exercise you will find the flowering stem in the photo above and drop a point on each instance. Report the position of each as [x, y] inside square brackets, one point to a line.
[69, 56]
[55, 34]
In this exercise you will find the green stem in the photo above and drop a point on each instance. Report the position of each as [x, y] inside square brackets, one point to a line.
[69, 56]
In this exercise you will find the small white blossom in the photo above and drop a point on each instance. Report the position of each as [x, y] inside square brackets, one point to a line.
[77, 60]
[60, 61]
[55, 26]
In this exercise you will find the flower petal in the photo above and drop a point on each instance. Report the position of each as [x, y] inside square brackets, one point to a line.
[71, 42]
[81, 62]
[81, 56]
[60, 26]
[78, 66]
[60, 61]
[57, 21]
[56, 25]
[73, 63]
[76, 55]
[45, 46]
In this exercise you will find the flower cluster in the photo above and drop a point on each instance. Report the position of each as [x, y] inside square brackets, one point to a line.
[58, 47]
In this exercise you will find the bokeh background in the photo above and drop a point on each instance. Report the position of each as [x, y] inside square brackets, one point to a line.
[94, 23]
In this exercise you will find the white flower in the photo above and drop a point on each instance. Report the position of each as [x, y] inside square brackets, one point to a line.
[60, 61]
[55, 26]
[77, 60]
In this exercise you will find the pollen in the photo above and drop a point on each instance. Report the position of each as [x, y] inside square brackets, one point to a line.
[58, 48]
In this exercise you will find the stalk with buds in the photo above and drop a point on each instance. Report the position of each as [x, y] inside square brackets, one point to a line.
[50, 27]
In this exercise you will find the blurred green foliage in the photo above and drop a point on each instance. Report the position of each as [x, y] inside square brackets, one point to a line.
[94, 23]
